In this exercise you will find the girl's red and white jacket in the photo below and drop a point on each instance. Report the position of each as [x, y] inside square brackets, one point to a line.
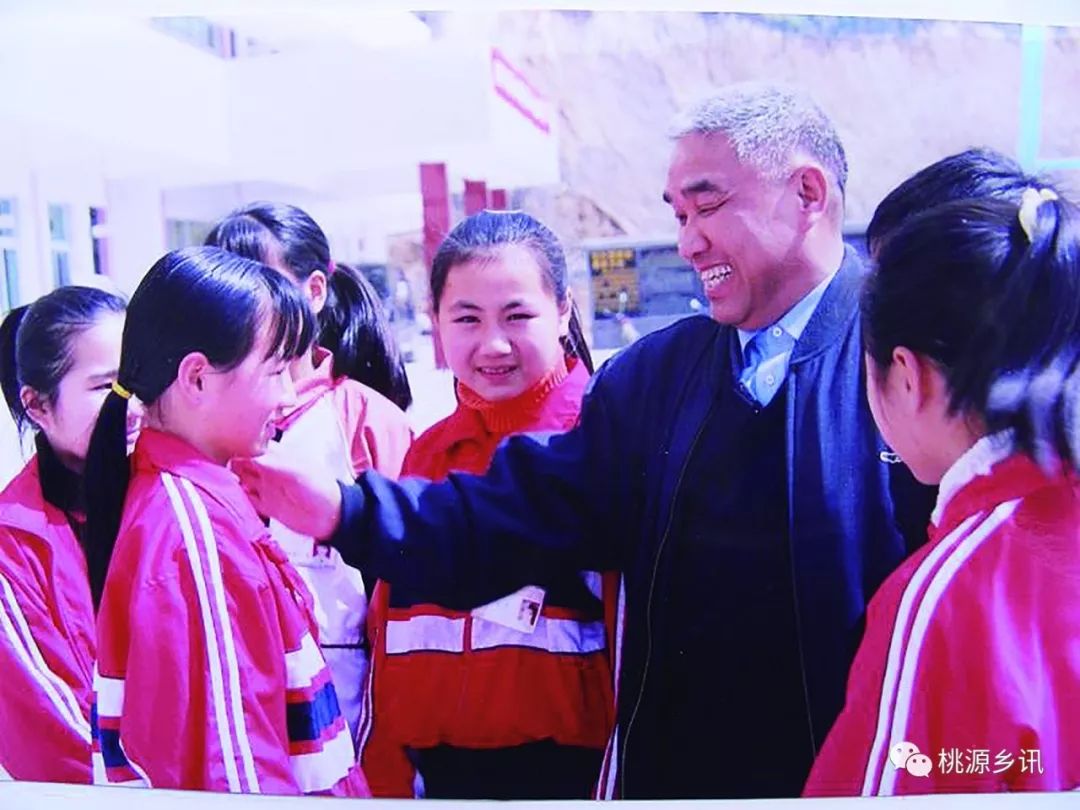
[47, 639]
[968, 678]
[350, 428]
[209, 672]
[375, 431]
[519, 670]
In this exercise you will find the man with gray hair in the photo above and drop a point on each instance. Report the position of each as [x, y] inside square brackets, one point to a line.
[728, 466]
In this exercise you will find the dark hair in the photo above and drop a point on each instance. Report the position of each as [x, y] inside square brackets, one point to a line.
[352, 323]
[193, 300]
[972, 174]
[37, 342]
[963, 285]
[484, 233]
[358, 332]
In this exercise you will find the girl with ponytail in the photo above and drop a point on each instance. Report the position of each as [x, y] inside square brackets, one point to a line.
[352, 322]
[209, 676]
[58, 358]
[345, 413]
[972, 328]
[513, 700]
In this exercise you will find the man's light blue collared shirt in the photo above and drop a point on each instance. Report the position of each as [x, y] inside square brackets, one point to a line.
[766, 352]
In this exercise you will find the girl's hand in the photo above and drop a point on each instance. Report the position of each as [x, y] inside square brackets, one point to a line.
[291, 489]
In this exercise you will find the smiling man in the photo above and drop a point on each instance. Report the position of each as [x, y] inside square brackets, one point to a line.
[728, 466]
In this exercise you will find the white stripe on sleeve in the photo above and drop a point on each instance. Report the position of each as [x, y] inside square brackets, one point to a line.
[233, 669]
[213, 650]
[22, 642]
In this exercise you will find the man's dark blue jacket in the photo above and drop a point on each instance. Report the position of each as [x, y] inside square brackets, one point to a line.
[602, 497]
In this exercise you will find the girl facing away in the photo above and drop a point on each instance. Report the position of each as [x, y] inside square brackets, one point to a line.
[351, 390]
[58, 358]
[968, 676]
[512, 700]
[209, 672]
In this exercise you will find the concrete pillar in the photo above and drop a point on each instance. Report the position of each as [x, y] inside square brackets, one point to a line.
[475, 196]
[435, 191]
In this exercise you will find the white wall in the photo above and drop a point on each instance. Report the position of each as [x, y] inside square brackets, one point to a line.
[121, 115]
[137, 229]
[140, 96]
[317, 112]
[358, 228]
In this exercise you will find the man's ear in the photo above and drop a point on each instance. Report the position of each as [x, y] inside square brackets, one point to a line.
[813, 190]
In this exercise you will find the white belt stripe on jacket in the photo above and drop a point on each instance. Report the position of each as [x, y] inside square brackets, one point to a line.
[444, 634]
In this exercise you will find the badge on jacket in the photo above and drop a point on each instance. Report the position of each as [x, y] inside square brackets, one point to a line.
[519, 611]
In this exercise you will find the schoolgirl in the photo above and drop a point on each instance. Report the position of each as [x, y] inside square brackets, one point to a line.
[512, 700]
[351, 390]
[58, 358]
[209, 673]
[968, 676]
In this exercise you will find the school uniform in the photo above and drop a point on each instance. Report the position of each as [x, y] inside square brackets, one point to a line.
[972, 647]
[350, 428]
[47, 639]
[512, 700]
[209, 673]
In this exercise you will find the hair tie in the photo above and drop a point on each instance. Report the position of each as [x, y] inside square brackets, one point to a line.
[330, 267]
[120, 391]
[1030, 201]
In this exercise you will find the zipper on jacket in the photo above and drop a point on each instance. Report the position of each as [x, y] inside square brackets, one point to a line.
[789, 438]
[621, 779]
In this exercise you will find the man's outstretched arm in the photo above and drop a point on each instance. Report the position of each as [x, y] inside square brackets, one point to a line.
[548, 503]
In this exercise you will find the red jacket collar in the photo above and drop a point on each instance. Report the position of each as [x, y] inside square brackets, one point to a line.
[553, 404]
[992, 472]
[548, 398]
[23, 505]
[157, 451]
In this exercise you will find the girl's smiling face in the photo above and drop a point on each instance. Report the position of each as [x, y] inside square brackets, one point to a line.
[243, 404]
[499, 323]
[69, 419]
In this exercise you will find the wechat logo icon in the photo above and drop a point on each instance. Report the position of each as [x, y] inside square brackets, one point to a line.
[906, 755]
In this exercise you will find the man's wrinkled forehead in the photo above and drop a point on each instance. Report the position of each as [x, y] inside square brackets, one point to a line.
[702, 164]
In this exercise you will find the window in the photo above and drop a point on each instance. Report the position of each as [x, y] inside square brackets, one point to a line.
[59, 231]
[9, 285]
[99, 235]
[216, 40]
[200, 33]
[9, 259]
[182, 233]
[58, 223]
[7, 218]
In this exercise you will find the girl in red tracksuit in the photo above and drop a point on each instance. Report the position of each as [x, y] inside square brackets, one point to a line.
[57, 360]
[209, 671]
[968, 678]
[351, 394]
[512, 700]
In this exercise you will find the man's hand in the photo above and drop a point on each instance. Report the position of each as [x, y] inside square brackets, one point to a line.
[292, 490]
